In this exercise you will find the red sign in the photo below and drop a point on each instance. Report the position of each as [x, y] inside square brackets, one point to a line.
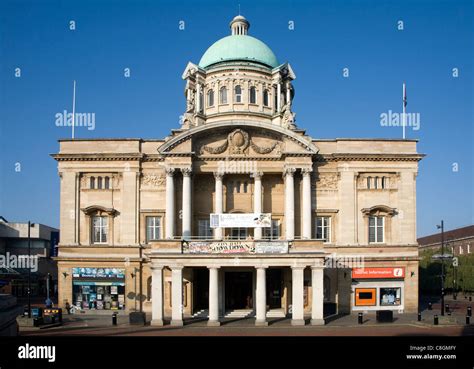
[378, 273]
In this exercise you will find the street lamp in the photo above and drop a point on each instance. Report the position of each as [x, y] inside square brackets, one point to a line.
[29, 270]
[442, 266]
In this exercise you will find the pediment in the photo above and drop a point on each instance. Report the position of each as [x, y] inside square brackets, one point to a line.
[239, 139]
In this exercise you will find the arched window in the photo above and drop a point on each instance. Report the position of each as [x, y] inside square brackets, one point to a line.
[246, 185]
[265, 97]
[383, 182]
[223, 95]
[92, 184]
[376, 182]
[238, 94]
[238, 186]
[210, 98]
[99, 183]
[107, 183]
[253, 95]
[369, 179]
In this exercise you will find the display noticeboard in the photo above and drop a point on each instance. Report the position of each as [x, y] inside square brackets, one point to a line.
[235, 247]
[378, 273]
[241, 220]
[98, 273]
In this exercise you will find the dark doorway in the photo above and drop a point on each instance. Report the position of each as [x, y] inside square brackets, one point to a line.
[238, 290]
[274, 288]
[201, 289]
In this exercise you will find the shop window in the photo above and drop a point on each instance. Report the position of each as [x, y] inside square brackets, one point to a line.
[390, 296]
[223, 95]
[204, 229]
[365, 297]
[253, 95]
[323, 229]
[376, 229]
[153, 228]
[238, 94]
[99, 229]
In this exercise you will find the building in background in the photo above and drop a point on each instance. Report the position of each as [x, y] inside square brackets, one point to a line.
[459, 241]
[14, 245]
[238, 212]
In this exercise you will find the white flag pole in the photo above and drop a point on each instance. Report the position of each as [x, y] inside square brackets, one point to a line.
[73, 108]
[404, 109]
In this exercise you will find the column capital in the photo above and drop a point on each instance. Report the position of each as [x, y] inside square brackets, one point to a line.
[170, 171]
[157, 267]
[213, 267]
[289, 171]
[298, 267]
[306, 171]
[256, 175]
[186, 172]
[218, 175]
[176, 267]
[261, 266]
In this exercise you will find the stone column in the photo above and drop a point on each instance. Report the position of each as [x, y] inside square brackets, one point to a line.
[306, 203]
[257, 201]
[218, 232]
[297, 279]
[279, 97]
[198, 97]
[261, 305]
[186, 203]
[213, 297]
[177, 295]
[317, 283]
[170, 211]
[289, 203]
[157, 295]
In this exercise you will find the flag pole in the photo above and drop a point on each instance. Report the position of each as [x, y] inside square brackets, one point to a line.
[73, 108]
[404, 108]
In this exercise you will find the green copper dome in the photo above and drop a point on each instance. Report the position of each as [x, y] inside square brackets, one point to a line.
[239, 48]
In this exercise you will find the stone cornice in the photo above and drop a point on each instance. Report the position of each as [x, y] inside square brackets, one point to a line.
[97, 157]
[370, 157]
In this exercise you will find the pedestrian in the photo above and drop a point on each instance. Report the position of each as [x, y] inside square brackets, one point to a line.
[68, 307]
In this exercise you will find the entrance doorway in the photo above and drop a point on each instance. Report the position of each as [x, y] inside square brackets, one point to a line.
[201, 289]
[274, 288]
[238, 290]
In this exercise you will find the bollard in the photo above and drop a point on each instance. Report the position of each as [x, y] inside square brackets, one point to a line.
[360, 318]
[430, 306]
[419, 317]
[468, 319]
[114, 319]
[435, 320]
[469, 311]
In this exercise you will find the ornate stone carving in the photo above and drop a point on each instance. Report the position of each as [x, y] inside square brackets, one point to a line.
[288, 117]
[186, 172]
[264, 150]
[327, 182]
[215, 150]
[170, 171]
[153, 180]
[238, 141]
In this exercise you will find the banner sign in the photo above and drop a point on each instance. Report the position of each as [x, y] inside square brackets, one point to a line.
[235, 247]
[98, 273]
[378, 273]
[247, 220]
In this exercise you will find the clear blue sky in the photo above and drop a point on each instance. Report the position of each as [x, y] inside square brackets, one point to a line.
[145, 37]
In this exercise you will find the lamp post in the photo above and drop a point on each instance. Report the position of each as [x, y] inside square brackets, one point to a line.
[29, 270]
[442, 266]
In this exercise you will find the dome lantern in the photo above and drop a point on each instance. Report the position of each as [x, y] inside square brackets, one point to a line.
[239, 26]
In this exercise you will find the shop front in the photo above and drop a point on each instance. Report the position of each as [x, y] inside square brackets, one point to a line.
[99, 288]
[378, 288]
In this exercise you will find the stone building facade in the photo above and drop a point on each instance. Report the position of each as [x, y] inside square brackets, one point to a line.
[137, 216]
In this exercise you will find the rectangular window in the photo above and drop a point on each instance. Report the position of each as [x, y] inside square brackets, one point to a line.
[204, 229]
[376, 229]
[390, 296]
[365, 297]
[99, 229]
[153, 228]
[273, 232]
[238, 233]
[323, 229]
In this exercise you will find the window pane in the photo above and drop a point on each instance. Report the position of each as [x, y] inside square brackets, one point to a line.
[379, 234]
[371, 234]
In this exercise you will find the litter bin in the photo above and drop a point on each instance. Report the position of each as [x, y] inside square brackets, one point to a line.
[384, 316]
[114, 319]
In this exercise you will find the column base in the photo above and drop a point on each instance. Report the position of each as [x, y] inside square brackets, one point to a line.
[261, 323]
[318, 322]
[157, 322]
[298, 322]
[213, 323]
[177, 323]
